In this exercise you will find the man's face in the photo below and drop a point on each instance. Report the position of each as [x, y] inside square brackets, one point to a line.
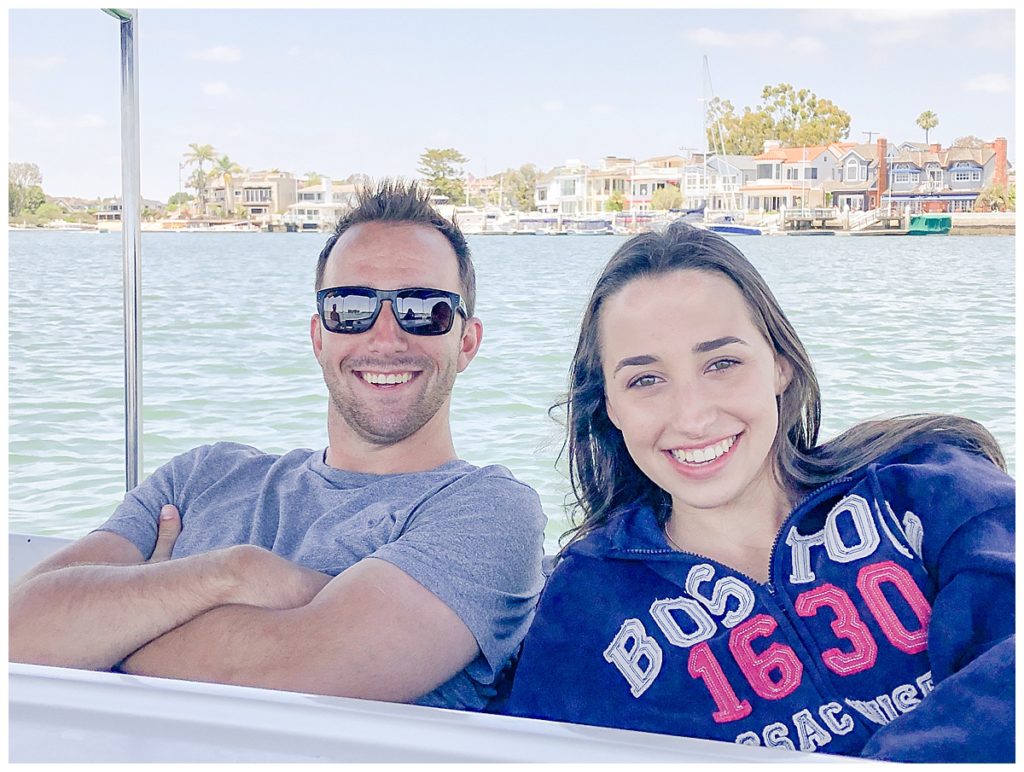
[386, 384]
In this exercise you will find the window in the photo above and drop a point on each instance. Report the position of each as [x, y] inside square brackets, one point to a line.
[966, 176]
[643, 189]
[811, 174]
[542, 194]
[904, 177]
[851, 171]
[257, 195]
[792, 174]
[569, 187]
[766, 172]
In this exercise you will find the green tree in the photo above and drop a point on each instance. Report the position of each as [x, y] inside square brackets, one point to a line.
[23, 180]
[313, 178]
[517, 188]
[794, 117]
[616, 202]
[666, 198]
[994, 198]
[48, 211]
[198, 155]
[178, 200]
[224, 169]
[443, 172]
[34, 198]
[969, 141]
[927, 121]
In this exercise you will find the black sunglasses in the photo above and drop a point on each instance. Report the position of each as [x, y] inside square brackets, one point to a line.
[418, 310]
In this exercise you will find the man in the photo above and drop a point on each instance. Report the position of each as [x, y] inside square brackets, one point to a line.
[381, 567]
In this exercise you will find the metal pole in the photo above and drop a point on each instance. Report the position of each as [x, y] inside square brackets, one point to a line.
[131, 243]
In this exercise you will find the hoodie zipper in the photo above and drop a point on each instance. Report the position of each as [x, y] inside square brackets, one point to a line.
[768, 586]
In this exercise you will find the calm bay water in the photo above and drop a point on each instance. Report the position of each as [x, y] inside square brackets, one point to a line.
[893, 325]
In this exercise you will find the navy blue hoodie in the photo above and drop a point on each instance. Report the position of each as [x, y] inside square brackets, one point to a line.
[886, 628]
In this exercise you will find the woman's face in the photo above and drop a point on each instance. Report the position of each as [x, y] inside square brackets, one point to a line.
[691, 383]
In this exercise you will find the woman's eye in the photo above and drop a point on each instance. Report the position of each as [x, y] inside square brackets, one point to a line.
[643, 380]
[722, 364]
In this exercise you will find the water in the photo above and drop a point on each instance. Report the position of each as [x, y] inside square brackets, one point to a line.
[893, 325]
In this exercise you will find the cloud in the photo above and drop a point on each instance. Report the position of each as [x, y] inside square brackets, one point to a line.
[705, 36]
[898, 15]
[216, 54]
[806, 46]
[29, 117]
[24, 65]
[993, 82]
[553, 106]
[602, 108]
[88, 121]
[214, 89]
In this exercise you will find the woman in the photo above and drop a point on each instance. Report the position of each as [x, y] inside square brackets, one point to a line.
[728, 577]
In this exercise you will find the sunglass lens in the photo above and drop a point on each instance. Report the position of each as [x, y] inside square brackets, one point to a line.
[349, 311]
[424, 312]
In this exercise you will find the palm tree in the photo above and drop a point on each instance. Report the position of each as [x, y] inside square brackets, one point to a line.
[197, 156]
[223, 168]
[927, 121]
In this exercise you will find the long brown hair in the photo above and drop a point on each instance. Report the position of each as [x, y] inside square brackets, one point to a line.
[604, 478]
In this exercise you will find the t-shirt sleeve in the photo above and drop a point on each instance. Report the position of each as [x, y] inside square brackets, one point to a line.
[477, 545]
[136, 517]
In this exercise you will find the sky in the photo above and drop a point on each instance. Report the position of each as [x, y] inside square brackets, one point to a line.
[341, 91]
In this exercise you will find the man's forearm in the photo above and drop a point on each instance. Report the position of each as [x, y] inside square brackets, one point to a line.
[94, 616]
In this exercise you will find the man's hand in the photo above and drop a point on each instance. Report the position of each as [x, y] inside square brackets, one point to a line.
[168, 530]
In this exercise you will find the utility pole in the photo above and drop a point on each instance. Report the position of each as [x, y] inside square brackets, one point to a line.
[870, 135]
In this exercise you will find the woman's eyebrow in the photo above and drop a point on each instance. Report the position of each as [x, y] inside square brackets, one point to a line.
[642, 359]
[711, 345]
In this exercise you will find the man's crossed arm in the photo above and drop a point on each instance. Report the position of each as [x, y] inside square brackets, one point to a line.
[239, 615]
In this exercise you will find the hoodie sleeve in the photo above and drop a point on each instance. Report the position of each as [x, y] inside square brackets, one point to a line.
[965, 535]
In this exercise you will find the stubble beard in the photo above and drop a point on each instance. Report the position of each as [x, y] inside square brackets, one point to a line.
[385, 424]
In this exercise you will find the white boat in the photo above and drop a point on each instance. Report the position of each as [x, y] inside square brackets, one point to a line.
[68, 715]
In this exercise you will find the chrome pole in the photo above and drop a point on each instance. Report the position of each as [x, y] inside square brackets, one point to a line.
[131, 239]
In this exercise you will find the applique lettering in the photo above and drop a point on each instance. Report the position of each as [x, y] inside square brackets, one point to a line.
[847, 625]
[857, 511]
[704, 625]
[800, 545]
[870, 580]
[914, 530]
[810, 733]
[860, 517]
[628, 648]
[888, 707]
[725, 588]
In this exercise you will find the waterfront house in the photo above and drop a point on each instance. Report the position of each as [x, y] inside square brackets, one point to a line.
[791, 177]
[263, 195]
[109, 213]
[943, 180]
[726, 177]
[319, 206]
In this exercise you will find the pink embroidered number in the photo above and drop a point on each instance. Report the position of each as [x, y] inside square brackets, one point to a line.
[847, 624]
[870, 581]
[703, 665]
[776, 658]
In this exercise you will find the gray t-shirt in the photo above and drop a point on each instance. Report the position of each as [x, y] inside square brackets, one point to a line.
[471, 535]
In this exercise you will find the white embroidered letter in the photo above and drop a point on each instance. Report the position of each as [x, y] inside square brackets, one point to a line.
[725, 588]
[863, 523]
[626, 657]
[810, 733]
[828, 713]
[800, 545]
[662, 610]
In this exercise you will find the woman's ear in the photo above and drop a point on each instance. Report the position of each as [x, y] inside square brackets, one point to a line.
[783, 374]
[612, 415]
